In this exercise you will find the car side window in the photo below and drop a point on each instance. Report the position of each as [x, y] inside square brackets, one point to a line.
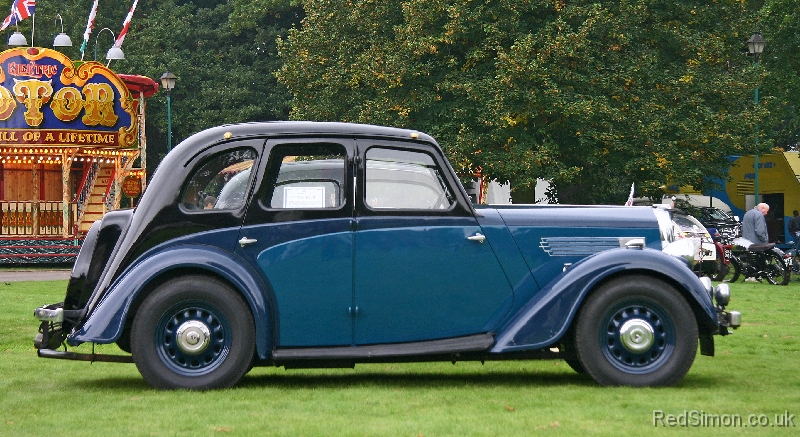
[404, 180]
[307, 176]
[220, 183]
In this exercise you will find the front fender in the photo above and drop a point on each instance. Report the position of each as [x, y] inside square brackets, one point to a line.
[546, 317]
[107, 320]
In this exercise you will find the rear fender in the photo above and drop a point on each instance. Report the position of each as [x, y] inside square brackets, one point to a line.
[107, 320]
[546, 317]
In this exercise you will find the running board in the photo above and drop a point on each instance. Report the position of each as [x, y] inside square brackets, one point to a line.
[473, 343]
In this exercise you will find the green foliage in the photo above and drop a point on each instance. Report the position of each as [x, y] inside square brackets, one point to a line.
[780, 24]
[591, 96]
[224, 70]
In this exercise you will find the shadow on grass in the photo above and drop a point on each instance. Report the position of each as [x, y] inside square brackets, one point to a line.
[376, 380]
[289, 380]
[404, 380]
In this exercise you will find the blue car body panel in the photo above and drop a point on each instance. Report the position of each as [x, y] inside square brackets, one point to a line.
[546, 317]
[399, 292]
[106, 322]
[310, 269]
[421, 279]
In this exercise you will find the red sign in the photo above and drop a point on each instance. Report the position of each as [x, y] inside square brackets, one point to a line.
[132, 186]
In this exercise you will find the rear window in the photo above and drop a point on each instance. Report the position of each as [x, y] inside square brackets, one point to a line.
[220, 182]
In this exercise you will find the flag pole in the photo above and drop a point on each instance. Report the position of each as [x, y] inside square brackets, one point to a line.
[89, 27]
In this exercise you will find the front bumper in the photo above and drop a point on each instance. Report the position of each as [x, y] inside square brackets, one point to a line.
[721, 296]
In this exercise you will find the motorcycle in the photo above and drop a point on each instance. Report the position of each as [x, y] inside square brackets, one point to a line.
[793, 262]
[725, 271]
[760, 261]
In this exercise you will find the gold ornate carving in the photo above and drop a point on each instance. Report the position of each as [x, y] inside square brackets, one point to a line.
[33, 94]
[99, 105]
[7, 103]
[67, 103]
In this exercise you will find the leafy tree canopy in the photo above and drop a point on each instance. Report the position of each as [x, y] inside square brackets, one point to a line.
[592, 96]
[225, 73]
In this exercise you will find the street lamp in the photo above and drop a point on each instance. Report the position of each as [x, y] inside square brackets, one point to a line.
[168, 83]
[755, 45]
[62, 39]
[17, 39]
[115, 52]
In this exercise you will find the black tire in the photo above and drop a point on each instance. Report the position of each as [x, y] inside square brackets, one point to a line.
[720, 269]
[166, 329]
[775, 268]
[794, 271]
[661, 341]
[732, 272]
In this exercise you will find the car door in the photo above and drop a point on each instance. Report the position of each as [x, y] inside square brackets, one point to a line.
[298, 235]
[423, 269]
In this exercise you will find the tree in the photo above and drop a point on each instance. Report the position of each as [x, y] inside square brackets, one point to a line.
[779, 21]
[225, 71]
[590, 96]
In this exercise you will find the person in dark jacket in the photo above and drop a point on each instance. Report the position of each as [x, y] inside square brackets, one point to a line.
[794, 228]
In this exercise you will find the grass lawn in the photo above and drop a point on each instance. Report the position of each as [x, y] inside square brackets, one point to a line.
[756, 372]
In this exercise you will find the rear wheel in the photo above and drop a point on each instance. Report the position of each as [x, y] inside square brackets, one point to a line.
[193, 332]
[775, 268]
[795, 267]
[636, 331]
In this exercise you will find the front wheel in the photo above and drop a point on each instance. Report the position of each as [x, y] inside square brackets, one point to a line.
[732, 270]
[720, 269]
[636, 331]
[193, 332]
[775, 269]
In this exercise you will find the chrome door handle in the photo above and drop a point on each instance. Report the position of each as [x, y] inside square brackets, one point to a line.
[477, 237]
[245, 241]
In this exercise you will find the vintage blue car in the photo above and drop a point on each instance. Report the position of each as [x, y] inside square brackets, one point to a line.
[302, 244]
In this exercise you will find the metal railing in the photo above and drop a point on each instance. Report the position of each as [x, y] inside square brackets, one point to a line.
[35, 218]
[85, 191]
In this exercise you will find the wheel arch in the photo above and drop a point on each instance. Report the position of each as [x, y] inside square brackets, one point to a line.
[112, 317]
[547, 317]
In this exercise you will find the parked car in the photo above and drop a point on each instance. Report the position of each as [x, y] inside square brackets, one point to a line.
[711, 217]
[723, 222]
[686, 226]
[303, 244]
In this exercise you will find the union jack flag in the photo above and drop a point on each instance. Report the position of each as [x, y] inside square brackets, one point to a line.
[20, 10]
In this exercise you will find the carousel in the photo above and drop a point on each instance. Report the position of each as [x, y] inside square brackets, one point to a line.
[72, 147]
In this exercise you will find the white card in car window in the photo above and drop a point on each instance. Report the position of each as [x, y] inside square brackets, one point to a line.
[304, 197]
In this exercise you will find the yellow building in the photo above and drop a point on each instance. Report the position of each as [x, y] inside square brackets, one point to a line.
[778, 186]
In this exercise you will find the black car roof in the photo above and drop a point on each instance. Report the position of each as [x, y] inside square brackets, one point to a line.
[298, 128]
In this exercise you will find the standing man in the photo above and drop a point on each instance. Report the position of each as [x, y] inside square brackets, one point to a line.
[794, 228]
[754, 225]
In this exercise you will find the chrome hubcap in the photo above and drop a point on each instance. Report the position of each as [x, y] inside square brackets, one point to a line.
[193, 337]
[636, 335]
